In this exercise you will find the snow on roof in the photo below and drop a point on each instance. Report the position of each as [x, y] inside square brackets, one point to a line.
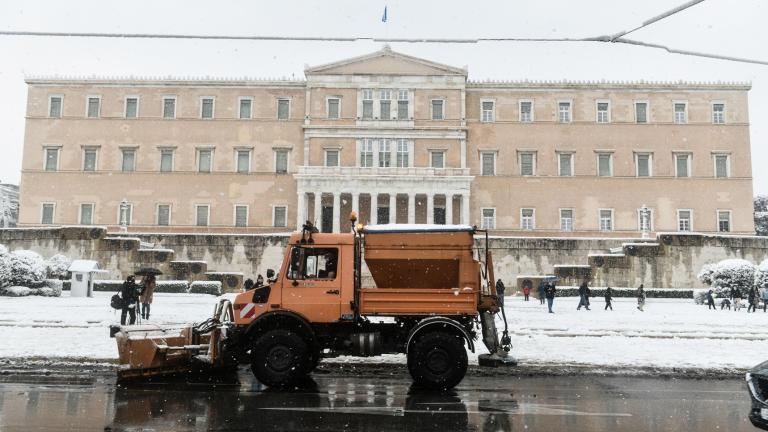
[402, 228]
[573, 265]
[84, 266]
[640, 244]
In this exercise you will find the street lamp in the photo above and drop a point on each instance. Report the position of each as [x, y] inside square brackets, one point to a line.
[124, 215]
[645, 225]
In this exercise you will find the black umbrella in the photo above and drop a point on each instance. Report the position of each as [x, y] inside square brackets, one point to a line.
[147, 271]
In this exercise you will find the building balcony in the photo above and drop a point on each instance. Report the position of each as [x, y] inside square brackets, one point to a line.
[381, 171]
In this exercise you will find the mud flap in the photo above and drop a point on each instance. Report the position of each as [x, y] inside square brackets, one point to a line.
[499, 356]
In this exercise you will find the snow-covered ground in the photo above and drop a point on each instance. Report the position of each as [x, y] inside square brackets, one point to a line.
[669, 334]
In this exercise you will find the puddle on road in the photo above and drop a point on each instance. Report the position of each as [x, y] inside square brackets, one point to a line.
[363, 404]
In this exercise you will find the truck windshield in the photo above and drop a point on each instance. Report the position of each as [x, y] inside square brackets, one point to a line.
[313, 263]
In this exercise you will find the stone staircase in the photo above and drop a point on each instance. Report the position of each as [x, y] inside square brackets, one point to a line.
[131, 254]
[613, 264]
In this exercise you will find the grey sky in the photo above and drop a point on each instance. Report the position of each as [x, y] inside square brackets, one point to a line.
[729, 27]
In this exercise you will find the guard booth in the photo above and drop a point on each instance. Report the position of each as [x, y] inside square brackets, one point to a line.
[83, 275]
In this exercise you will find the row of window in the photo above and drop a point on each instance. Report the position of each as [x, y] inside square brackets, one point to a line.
[605, 219]
[169, 107]
[397, 153]
[204, 159]
[602, 111]
[379, 106]
[163, 213]
[604, 164]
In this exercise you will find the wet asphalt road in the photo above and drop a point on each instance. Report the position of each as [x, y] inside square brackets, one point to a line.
[341, 402]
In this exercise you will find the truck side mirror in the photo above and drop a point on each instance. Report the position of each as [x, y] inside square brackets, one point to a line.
[270, 273]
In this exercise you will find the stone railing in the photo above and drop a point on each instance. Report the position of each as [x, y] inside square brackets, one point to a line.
[380, 171]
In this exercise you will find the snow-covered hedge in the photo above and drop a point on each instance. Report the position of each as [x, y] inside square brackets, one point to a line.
[761, 275]
[47, 288]
[628, 292]
[172, 286]
[728, 274]
[57, 265]
[26, 268]
[205, 287]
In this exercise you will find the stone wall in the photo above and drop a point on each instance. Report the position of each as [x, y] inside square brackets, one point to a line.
[666, 261]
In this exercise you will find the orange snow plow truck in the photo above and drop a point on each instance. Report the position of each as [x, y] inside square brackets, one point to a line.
[432, 290]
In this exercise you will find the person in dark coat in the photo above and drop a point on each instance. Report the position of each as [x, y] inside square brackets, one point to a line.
[583, 296]
[640, 298]
[549, 293]
[710, 300]
[608, 298]
[259, 281]
[542, 291]
[500, 291]
[752, 300]
[129, 292]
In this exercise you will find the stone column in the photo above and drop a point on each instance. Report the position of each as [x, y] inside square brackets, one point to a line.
[449, 208]
[430, 208]
[301, 210]
[336, 211]
[411, 208]
[465, 209]
[392, 208]
[463, 153]
[318, 216]
[374, 205]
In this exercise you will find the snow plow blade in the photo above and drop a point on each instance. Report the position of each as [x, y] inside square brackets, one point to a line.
[150, 350]
[146, 351]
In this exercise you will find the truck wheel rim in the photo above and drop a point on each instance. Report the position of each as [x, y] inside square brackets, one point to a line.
[438, 361]
[279, 357]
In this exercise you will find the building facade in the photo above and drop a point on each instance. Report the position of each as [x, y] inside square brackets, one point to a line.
[396, 138]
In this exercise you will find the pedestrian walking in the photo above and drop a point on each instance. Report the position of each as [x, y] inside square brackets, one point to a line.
[500, 288]
[640, 298]
[608, 298]
[711, 301]
[583, 296]
[764, 296]
[752, 300]
[129, 292]
[526, 291]
[736, 298]
[147, 293]
[542, 291]
[549, 293]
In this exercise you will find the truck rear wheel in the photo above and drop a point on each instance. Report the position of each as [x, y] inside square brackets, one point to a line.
[438, 360]
[278, 358]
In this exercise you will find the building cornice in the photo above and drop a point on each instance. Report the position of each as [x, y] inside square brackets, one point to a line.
[148, 81]
[603, 84]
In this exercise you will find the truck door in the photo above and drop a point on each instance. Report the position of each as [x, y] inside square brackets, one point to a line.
[314, 283]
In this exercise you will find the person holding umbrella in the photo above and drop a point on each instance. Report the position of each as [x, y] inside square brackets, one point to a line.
[148, 284]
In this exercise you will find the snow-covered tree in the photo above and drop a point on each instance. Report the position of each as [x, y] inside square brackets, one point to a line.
[733, 273]
[705, 274]
[761, 275]
[5, 267]
[26, 268]
[57, 266]
[761, 215]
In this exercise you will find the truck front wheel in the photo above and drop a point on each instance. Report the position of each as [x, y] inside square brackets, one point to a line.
[438, 360]
[278, 358]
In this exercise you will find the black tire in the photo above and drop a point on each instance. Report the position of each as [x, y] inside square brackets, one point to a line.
[279, 358]
[437, 360]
